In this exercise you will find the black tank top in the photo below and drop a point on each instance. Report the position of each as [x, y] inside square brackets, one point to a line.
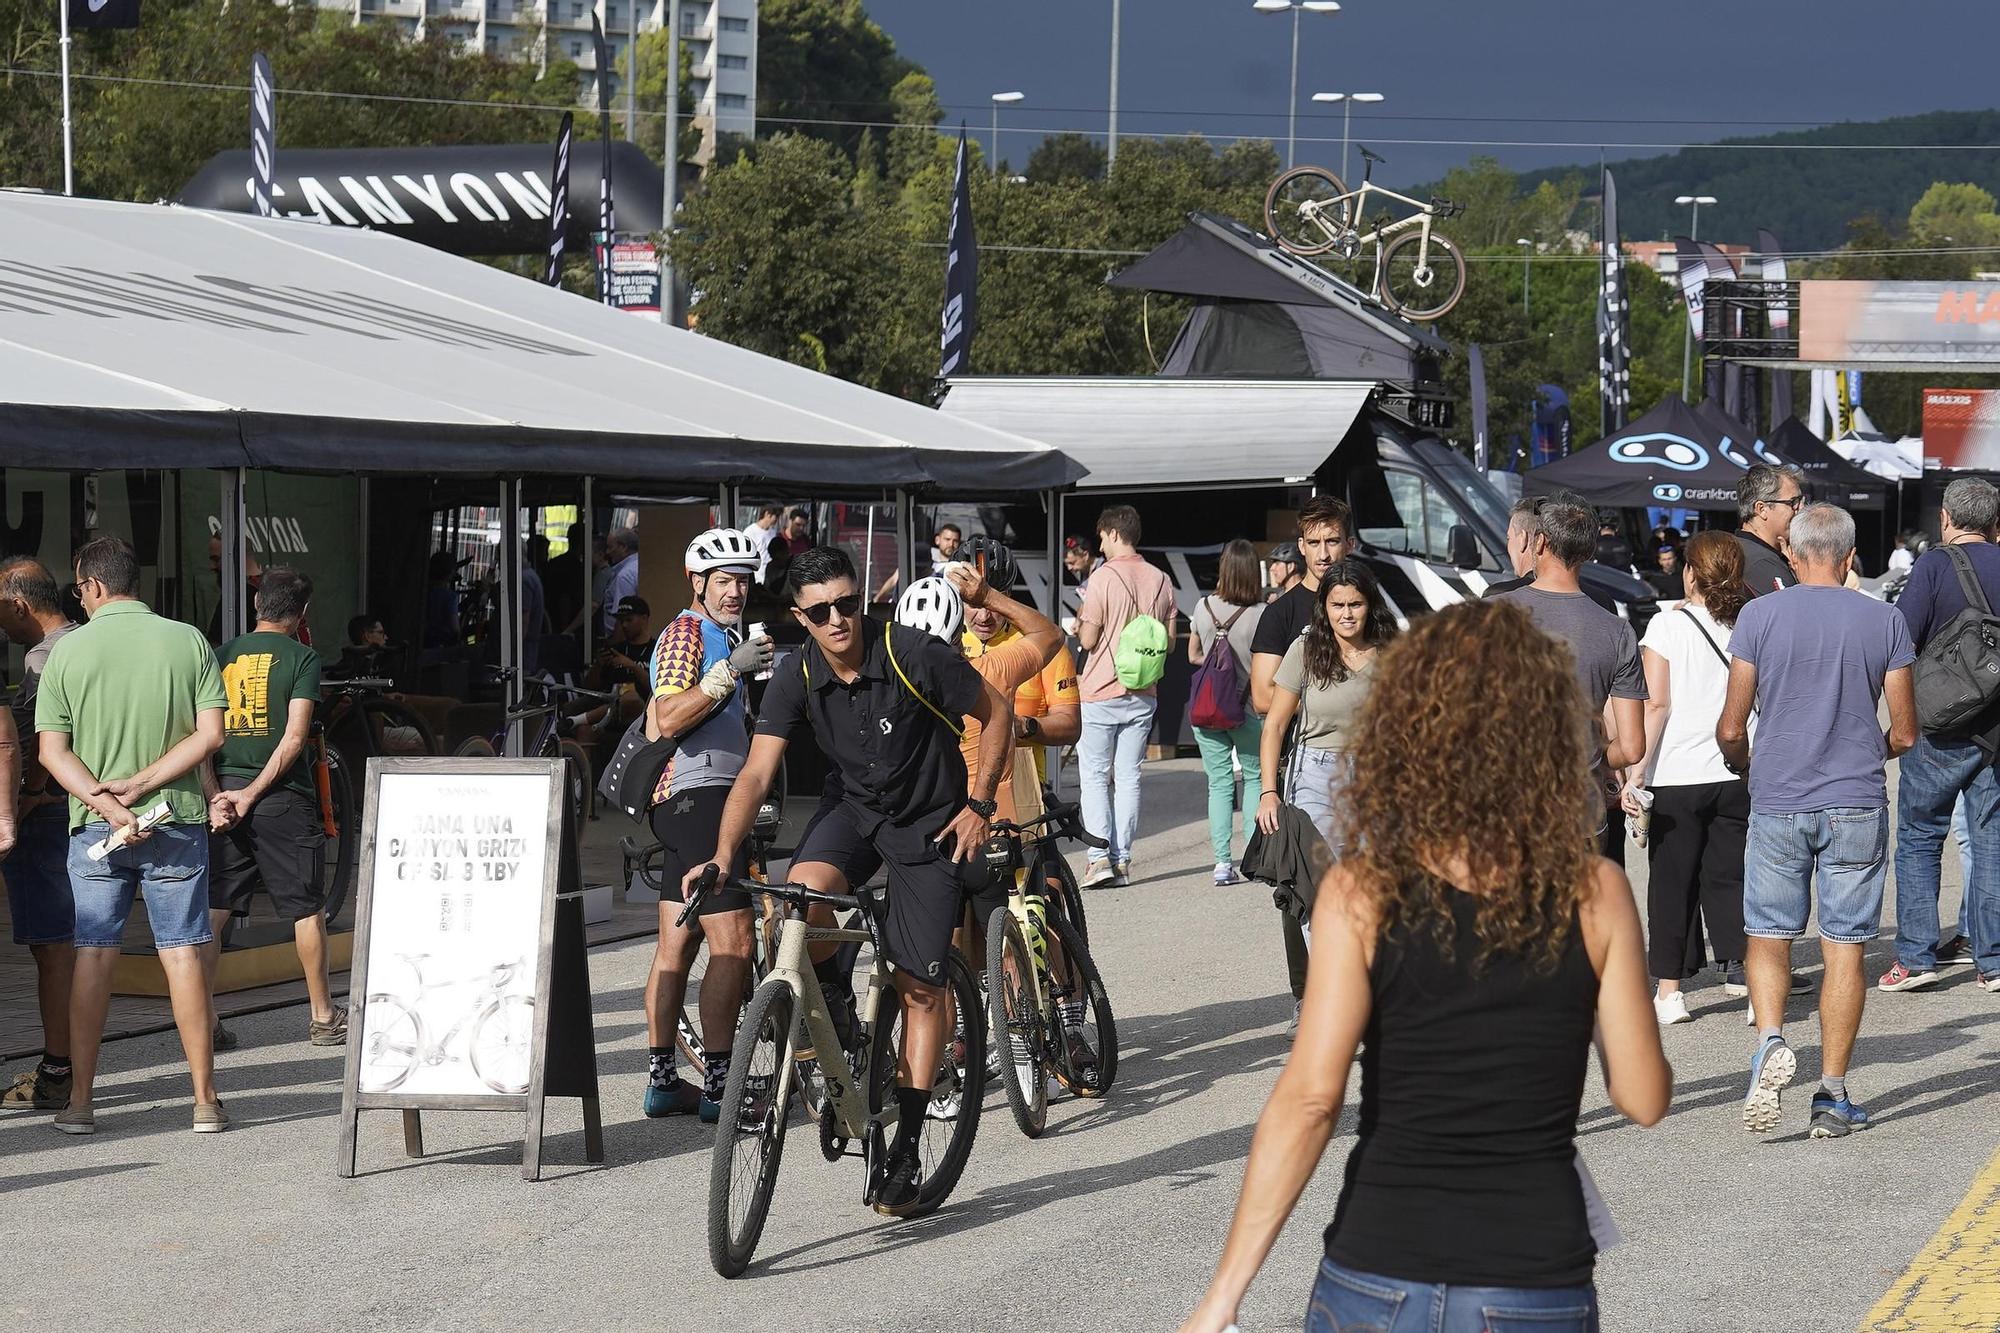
[1471, 1078]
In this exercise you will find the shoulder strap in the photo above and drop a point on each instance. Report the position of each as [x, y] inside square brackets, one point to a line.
[1706, 637]
[1231, 622]
[889, 642]
[1968, 582]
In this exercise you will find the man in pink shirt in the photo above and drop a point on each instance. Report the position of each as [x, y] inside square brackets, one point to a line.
[1116, 720]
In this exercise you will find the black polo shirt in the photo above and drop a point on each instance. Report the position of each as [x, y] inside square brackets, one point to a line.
[1764, 568]
[898, 761]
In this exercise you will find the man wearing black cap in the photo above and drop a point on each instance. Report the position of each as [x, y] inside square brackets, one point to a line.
[1285, 568]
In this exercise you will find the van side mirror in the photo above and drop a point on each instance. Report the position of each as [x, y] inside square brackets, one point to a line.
[1463, 547]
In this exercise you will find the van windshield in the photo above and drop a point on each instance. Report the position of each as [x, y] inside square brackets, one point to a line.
[1481, 500]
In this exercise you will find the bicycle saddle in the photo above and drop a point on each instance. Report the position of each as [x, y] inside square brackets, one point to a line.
[1370, 155]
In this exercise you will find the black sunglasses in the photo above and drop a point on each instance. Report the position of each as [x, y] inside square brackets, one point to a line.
[820, 612]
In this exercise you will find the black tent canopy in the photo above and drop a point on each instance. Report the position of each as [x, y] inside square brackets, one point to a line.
[1828, 476]
[1671, 456]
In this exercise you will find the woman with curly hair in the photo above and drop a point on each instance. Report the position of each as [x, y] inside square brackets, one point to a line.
[1322, 682]
[1468, 944]
[1700, 813]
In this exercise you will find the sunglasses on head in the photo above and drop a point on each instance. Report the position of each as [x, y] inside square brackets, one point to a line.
[820, 612]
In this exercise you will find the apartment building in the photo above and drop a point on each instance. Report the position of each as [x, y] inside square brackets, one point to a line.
[721, 36]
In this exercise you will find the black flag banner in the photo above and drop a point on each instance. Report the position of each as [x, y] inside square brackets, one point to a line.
[961, 275]
[602, 49]
[558, 202]
[103, 13]
[1614, 339]
[263, 132]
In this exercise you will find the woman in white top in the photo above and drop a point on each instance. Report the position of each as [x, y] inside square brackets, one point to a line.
[1700, 810]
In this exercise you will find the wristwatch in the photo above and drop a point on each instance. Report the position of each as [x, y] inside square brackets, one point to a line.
[1031, 726]
[984, 809]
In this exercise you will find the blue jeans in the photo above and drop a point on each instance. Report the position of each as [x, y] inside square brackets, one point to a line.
[1313, 784]
[1934, 775]
[170, 867]
[1842, 852]
[1216, 748]
[37, 873]
[1108, 754]
[1344, 1301]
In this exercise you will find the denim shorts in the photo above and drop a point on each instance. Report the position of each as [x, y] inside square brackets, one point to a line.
[1344, 1301]
[37, 874]
[1842, 853]
[170, 868]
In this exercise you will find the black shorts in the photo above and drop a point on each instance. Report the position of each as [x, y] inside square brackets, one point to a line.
[280, 847]
[925, 896]
[685, 825]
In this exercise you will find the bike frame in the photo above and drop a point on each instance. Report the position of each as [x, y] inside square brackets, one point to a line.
[814, 1022]
[1422, 219]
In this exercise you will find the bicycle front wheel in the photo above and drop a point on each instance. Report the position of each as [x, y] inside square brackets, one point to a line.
[1306, 211]
[951, 1120]
[1062, 889]
[1086, 1035]
[750, 1136]
[474, 747]
[1418, 280]
[1014, 1006]
[580, 786]
[344, 847]
[392, 1042]
[502, 1042]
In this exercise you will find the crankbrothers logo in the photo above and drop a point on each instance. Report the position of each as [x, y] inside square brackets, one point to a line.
[1674, 451]
[1667, 493]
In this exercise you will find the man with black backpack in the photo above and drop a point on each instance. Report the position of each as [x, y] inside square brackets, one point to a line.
[1953, 634]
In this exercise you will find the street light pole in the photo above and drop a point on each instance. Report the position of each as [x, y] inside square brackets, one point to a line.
[1295, 7]
[1111, 138]
[999, 100]
[1695, 201]
[670, 198]
[1347, 101]
[1527, 248]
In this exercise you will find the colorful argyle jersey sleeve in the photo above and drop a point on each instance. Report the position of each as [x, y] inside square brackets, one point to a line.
[712, 754]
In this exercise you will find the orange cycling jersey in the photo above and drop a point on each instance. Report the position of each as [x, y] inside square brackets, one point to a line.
[1053, 684]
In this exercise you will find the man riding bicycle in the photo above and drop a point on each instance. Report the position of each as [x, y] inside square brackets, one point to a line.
[698, 697]
[883, 703]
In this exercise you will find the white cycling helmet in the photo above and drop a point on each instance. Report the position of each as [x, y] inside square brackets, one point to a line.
[722, 548]
[933, 606]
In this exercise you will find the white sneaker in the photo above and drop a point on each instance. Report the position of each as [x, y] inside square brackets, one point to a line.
[1098, 874]
[1671, 1008]
[1292, 1028]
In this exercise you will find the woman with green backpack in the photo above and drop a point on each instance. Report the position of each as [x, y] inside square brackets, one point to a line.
[1226, 729]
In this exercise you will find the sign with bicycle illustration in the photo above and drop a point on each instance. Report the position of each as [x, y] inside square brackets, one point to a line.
[468, 962]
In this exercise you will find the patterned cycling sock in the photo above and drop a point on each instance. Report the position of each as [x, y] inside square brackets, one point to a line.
[714, 1074]
[660, 1071]
[55, 1066]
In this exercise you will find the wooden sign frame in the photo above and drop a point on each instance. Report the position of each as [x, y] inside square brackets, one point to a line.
[563, 1056]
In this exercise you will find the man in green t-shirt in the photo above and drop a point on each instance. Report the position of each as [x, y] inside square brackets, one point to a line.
[263, 804]
[129, 707]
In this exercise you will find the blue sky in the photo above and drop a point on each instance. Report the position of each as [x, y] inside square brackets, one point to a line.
[1515, 70]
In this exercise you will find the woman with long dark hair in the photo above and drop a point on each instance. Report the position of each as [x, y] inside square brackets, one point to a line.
[1700, 815]
[1230, 615]
[1322, 681]
[1468, 945]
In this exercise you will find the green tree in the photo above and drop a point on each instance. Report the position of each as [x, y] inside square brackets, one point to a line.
[916, 111]
[824, 69]
[1066, 157]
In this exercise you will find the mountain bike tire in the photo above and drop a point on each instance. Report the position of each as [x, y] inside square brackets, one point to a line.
[1397, 281]
[580, 789]
[1015, 1013]
[475, 747]
[360, 730]
[1077, 971]
[943, 1145]
[1294, 233]
[740, 1182]
[1071, 904]
[343, 849]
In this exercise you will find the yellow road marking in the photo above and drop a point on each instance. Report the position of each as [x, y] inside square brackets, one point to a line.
[1954, 1283]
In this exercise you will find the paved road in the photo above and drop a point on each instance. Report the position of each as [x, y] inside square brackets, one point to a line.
[1109, 1222]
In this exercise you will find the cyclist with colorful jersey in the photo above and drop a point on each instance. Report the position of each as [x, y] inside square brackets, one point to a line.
[697, 668]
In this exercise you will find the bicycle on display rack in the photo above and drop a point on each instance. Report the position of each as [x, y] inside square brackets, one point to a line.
[789, 1013]
[1419, 274]
[1046, 1003]
[499, 1027]
[552, 740]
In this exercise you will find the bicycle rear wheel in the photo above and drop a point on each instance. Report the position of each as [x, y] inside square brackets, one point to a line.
[1087, 1051]
[343, 848]
[474, 747]
[750, 1136]
[581, 788]
[1418, 282]
[1015, 1010]
[1304, 210]
[951, 1121]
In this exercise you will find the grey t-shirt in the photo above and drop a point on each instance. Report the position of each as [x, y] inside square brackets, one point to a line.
[36, 660]
[1606, 652]
[1211, 613]
[1821, 654]
[1327, 712]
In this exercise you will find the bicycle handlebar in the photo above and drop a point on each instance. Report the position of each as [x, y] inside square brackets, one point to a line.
[357, 685]
[1065, 815]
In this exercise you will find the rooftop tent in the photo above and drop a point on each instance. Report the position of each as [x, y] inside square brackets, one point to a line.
[137, 336]
[1670, 456]
[1265, 314]
[1156, 431]
[1828, 476]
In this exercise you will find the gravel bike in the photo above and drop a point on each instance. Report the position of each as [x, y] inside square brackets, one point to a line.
[499, 1029]
[789, 1013]
[1419, 274]
[354, 722]
[1046, 1003]
[551, 740]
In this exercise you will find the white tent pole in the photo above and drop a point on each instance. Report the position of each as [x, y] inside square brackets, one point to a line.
[69, 149]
